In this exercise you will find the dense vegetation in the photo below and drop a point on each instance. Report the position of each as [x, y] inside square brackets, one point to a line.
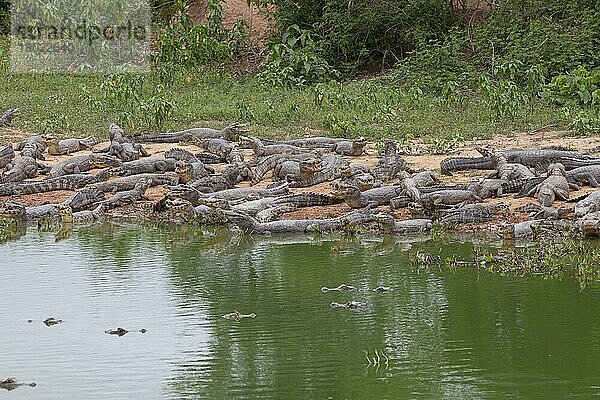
[445, 72]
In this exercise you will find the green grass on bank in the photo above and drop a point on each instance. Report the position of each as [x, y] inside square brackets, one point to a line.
[79, 105]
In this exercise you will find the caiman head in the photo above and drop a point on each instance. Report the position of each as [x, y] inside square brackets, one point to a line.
[180, 206]
[556, 169]
[389, 148]
[234, 129]
[245, 142]
[12, 210]
[546, 196]
[485, 151]
[101, 160]
[115, 132]
[65, 213]
[184, 170]
[144, 184]
[309, 168]
[347, 192]
[360, 142]
[9, 115]
[590, 224]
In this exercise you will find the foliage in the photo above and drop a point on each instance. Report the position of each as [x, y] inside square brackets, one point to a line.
[579, 86]
[296, 60]
[190, 45]
[365, 33]
[579, 92]
[557, 35]
[4, 17]
[135, 106]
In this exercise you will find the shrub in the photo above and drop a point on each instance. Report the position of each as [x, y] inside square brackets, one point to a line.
[190, 45]
[4, 17]
[366, 33]
[296, 60]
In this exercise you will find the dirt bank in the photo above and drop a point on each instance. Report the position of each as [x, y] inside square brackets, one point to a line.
[421, 161]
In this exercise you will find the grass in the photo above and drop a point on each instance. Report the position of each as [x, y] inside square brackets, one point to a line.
[76, 105]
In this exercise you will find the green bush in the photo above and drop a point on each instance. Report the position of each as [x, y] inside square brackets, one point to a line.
[578, 86]
[557, 35]
[365, 33]
[296, 60]
[190, 45]
[4, 17]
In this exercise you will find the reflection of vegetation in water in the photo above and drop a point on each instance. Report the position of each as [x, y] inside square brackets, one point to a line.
[576, 258]
[11, 229]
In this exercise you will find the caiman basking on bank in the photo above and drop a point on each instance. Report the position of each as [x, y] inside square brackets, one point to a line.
[8, 116]
[57, 147]
[79, 164]
[194, 134]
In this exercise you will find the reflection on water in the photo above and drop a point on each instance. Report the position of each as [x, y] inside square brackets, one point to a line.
[447, 333]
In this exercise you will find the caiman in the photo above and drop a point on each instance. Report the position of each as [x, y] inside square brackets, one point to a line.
[509, 171]
[236, 315]
[67, 216]
[220, 147]
[298, 200]
[330, 170]
[537, 158]
[8, 116]
[33, 146]
[452, 164]
[554, 186]
[249, 193]
[146, 166]
[341, 288]
[190, 172]
[9, 209]
[7, 153]
[310, 143]
[13, 383]
[295, 171]
[473, 213]
[129, 196]
[83, 199]
[20, 169]
[370, 198]
[270, 162]
[384, 222]
[48, 185]
[390, 164]
[352, 304]
[261, 150]
[78, 202]
[536, 211]
[585, 175]
[350, 147]
[188, 135]
[225, 180]
[129, 182]
[122, 331]
[79, 164]
[58, 147]
[590, 204]
[448, 198]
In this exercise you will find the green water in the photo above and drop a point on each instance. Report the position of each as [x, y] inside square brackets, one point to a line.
[448, 333]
